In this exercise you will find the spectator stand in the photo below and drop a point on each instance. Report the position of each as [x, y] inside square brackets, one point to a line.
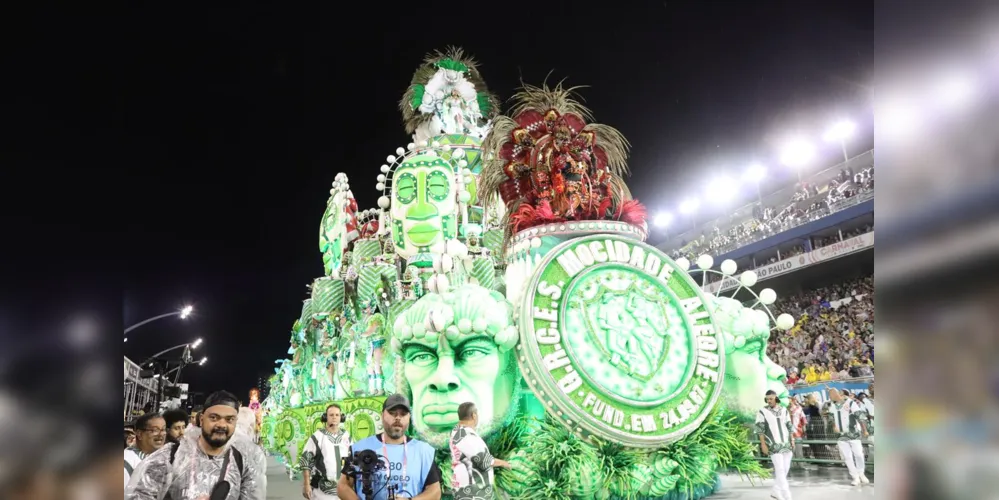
[818, 196]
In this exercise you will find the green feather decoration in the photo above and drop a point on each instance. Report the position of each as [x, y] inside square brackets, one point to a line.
[418, 90]
[485, 106]
[451, 64]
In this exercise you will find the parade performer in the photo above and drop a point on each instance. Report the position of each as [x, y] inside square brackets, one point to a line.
[850, 423]
[773, 426]
[375, 335]
[322, 459]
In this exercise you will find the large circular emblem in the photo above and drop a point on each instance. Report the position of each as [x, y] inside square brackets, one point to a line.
[617, 341]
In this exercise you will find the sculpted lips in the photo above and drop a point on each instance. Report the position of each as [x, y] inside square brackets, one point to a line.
[440, 415]
[423, 233]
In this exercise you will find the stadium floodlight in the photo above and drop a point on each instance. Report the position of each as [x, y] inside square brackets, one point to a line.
[840, 132]
[663, 219]
[186, 311]
[755, 173]
[689, 206]
[721, 190]
[796, 153]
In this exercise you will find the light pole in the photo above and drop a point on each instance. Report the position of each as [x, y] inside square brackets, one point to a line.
[192, 345]
[176, 379]
[183, 313]
[162, 365]
[755, 173]
[840, 132]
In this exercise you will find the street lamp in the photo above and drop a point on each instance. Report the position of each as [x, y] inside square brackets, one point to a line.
[184, 313]
[796, 154]
[755, 173]
[840, 132]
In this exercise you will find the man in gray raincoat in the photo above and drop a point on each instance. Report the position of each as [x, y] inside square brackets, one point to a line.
[207, 464]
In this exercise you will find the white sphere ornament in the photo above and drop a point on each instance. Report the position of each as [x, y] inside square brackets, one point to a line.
[683, 263]
[390, 158]
[419, 330]
[768, 296]
[466, 179]
[464, 196]
[785, 321]
[456, 248]
[385, 169]
[436, 260]
[423, 144]
[729, 267]
[432, 283]
[333, 191]
[748, 278]
[381, 178]
[436, 144]
[410, 146]
[446, 147]
[443, 284]
[439, 247]
[400, 151]
[447, 263]
[705, 261]
[462, 163]
[380, 186]
[535, 243]
[458, 153]
[464, 325]
[383, 201]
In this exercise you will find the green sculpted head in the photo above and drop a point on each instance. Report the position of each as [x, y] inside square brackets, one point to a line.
[455, 348]
[749, 373]
[423, 205]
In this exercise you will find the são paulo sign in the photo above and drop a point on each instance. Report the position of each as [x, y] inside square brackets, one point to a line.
[618, 342]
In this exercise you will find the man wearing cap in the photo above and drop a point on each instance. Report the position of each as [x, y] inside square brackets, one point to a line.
[409, 467]
[206, 463]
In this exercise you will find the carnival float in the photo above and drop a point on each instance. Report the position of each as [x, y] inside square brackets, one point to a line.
[505, 264]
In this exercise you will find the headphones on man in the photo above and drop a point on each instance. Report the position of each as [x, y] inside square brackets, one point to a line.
[323, 418]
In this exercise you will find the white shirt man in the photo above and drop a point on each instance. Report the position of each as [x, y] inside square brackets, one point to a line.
[776, 432]
[322, 459]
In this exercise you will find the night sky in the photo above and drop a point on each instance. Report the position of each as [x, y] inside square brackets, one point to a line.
[231, 124]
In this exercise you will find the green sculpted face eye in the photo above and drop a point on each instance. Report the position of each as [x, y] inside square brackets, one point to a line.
[438, 186]
[406, 188]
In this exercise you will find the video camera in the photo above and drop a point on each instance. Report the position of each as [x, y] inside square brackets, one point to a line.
[365, 464]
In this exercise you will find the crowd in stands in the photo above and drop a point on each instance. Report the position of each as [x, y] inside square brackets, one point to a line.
[833, 338]
[807, 203]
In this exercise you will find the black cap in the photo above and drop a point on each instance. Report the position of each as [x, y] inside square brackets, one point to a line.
[395, 401]
[222, 398]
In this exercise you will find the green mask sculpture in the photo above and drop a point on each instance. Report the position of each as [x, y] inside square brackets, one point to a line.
[423, 204]
[749, 372]
[456, 348]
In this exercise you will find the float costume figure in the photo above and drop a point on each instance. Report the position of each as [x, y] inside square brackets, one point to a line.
[374, 334]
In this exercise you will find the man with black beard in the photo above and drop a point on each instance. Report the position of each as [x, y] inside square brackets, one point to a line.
[206, 464]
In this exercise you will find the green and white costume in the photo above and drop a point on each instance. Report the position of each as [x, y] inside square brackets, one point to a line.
[849, 418]
[774, 424]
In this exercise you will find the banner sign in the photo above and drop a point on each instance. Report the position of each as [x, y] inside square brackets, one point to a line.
[820, 390]
[836, 250]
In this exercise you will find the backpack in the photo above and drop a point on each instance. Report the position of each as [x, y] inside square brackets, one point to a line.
[320, 472]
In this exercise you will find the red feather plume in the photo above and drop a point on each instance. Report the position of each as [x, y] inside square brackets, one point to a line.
[632, 212]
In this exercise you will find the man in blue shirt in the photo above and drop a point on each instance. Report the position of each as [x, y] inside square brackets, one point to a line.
[407, 465]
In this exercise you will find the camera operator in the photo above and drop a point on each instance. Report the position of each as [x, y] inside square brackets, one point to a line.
[391, 462]
[322, 459]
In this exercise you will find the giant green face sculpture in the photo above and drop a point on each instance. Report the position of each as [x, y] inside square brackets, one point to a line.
[332, 231]
[749, 372]
[468, 359]
[423, 204]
